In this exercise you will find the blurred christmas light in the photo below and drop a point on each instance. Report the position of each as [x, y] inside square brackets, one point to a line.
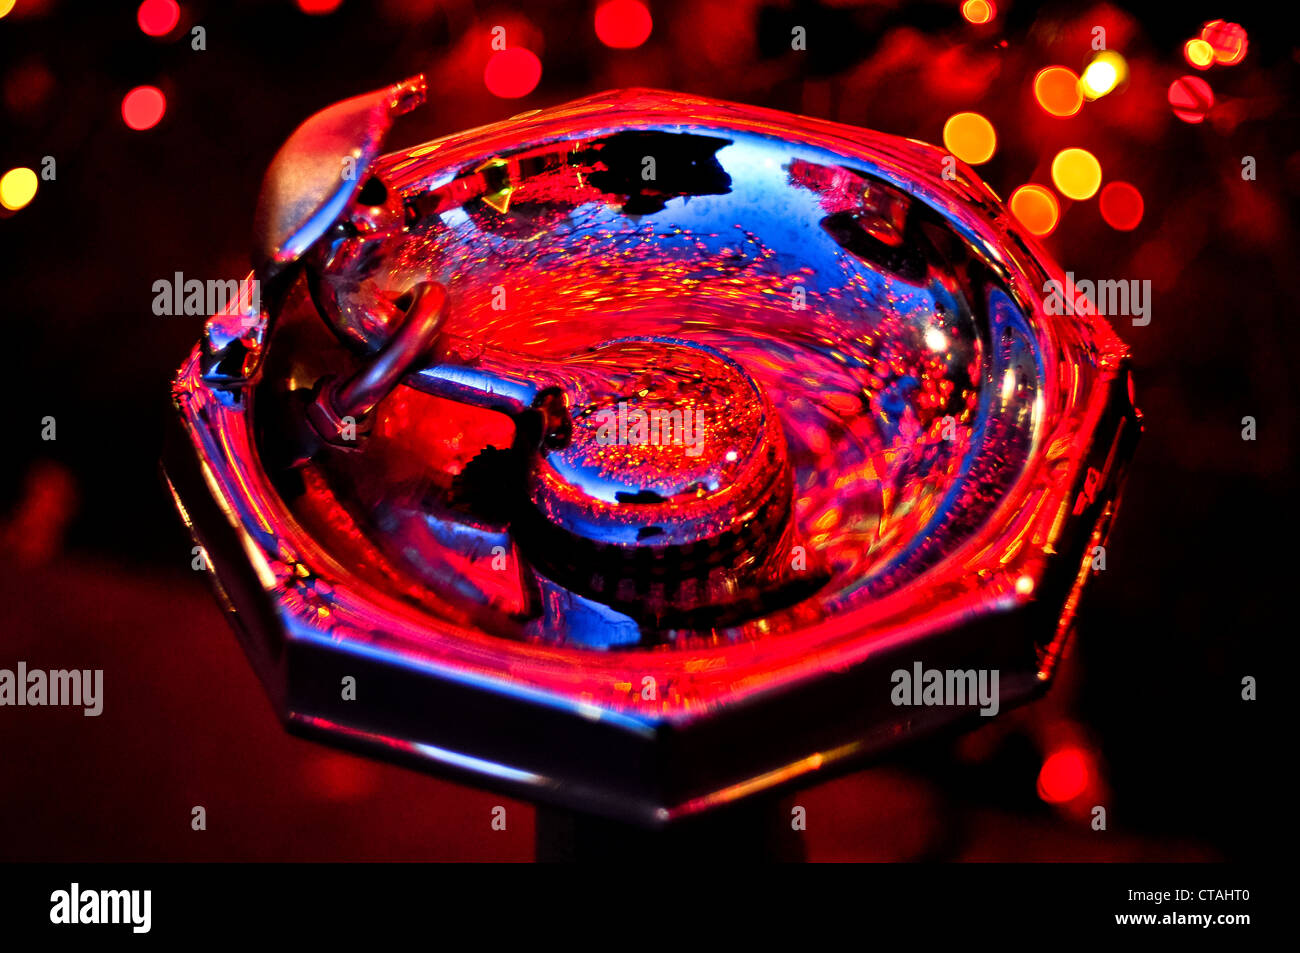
[6, 6]
[143, 107]
[1098, 79]
[40, 517]
[978, 11]
[1121, 206]
[1198, 53]
[334, 777]
[623, 24]
[970, 137]
[512, 73]
[1057, 91]
[1076, 173]
[1063, 776]
[1106, 71]
[1228, 40]
[1191, 98]
[17, 188]
[319, 7]
[158, 17]
[28, 85]
[1036, 208]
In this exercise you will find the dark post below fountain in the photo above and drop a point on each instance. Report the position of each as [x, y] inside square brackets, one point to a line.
[755, 830]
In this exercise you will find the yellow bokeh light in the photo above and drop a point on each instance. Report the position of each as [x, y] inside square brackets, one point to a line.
[1106, 71]
[6, 6]
[1198, 53]
[970, 137]
[1076, 173]
[17, 187]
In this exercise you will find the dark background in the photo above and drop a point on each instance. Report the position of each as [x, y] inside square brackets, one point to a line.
[95, 570]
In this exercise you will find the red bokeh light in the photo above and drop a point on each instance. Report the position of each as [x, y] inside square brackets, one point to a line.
[1064, 776]
[35, 531]
[1121, 206]
[1228, 40]
[143, 107]
[1036, 208]
[158, 17]
[1191, 98]
[512, 73]
[623, 24]
[28, 86]
[340, 777]
[319, 7]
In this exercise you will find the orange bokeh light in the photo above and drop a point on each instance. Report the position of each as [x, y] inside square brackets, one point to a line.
[1076, 173]
[1057, 90]
[978, 11]
[1036, 208]
[970, 137]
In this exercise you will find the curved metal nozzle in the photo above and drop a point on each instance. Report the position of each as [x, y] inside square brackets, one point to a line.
[320, 168]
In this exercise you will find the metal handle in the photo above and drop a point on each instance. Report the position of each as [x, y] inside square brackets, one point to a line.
[410, 347]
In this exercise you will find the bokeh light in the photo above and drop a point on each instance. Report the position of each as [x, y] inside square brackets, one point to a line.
[1228, 40]
[512, 73]
[1121, 206]
[1076, 173]
[1063, 776]
[623, 24]
[158, 17]
[28, 86]
[970, 137]
[1107, 71]
[319, 7]
[1036, 208]
[17, 188]
[6, 6]
[1198, 53]
[1057, 90]
[1191, 98]
[143, 107]
[978, 11]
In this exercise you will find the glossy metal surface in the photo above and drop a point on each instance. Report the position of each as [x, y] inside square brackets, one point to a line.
[338, 407]
[319, 170]
[903, 456]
